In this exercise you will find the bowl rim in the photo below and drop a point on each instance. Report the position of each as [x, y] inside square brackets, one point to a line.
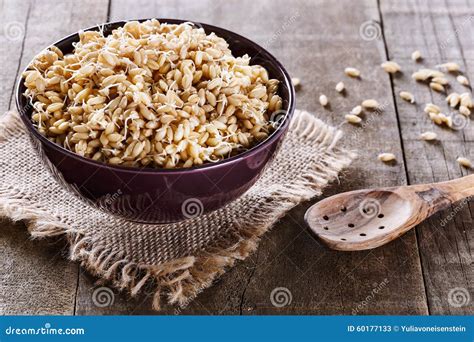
[205, 166]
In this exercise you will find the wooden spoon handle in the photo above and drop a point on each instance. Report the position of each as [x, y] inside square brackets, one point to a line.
[438, 196]
[458, 189]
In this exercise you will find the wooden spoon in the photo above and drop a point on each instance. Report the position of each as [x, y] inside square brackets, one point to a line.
[370, 218]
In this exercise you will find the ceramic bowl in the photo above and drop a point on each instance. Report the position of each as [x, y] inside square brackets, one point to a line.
[160, 195]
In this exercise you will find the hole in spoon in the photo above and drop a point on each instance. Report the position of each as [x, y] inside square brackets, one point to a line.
[350, 225]
[381, 227]
[343, 209]
[343, 239]
[380, 216]
[326, 228]
[363, 234]
[326, 217]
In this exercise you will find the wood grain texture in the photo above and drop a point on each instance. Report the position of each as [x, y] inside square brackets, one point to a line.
[35, 277]
[315, 40]
[303, 36]
[443, 32]
[13, 17]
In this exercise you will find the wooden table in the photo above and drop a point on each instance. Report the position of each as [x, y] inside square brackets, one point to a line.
[315, 40]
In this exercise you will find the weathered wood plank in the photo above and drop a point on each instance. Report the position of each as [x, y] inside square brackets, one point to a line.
[35, 277]
[443, 32]
[13, 17]
[305, 36]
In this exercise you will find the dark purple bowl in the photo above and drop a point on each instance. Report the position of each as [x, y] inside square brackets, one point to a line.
[160, 195]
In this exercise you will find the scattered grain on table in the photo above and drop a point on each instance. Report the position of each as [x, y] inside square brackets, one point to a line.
[416, 55]
[340, 87]
[323, 100]
[437, 87]
[450, 67]
[386, 157]
[425, 74]
[464, 110]
[428, 136]
[352, 72]
[407, 96]
[296, 82]
[462, 80]
[466, 100]
[353, 119]
[432, 108]
[391, 67]
[356, 110]
[464, 162]
[453, 99]
[370, 104]
[441, 80]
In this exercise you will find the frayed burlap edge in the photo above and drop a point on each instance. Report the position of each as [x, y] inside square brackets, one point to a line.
[181, 280]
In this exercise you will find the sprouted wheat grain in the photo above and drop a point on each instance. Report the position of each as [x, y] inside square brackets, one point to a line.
[151, 94]
[416, 55]
[386, 157]
[464, 162]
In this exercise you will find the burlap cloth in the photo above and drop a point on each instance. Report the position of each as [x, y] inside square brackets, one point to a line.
[176, 261]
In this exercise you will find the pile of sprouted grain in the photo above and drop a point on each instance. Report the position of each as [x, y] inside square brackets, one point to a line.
[151, 94]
